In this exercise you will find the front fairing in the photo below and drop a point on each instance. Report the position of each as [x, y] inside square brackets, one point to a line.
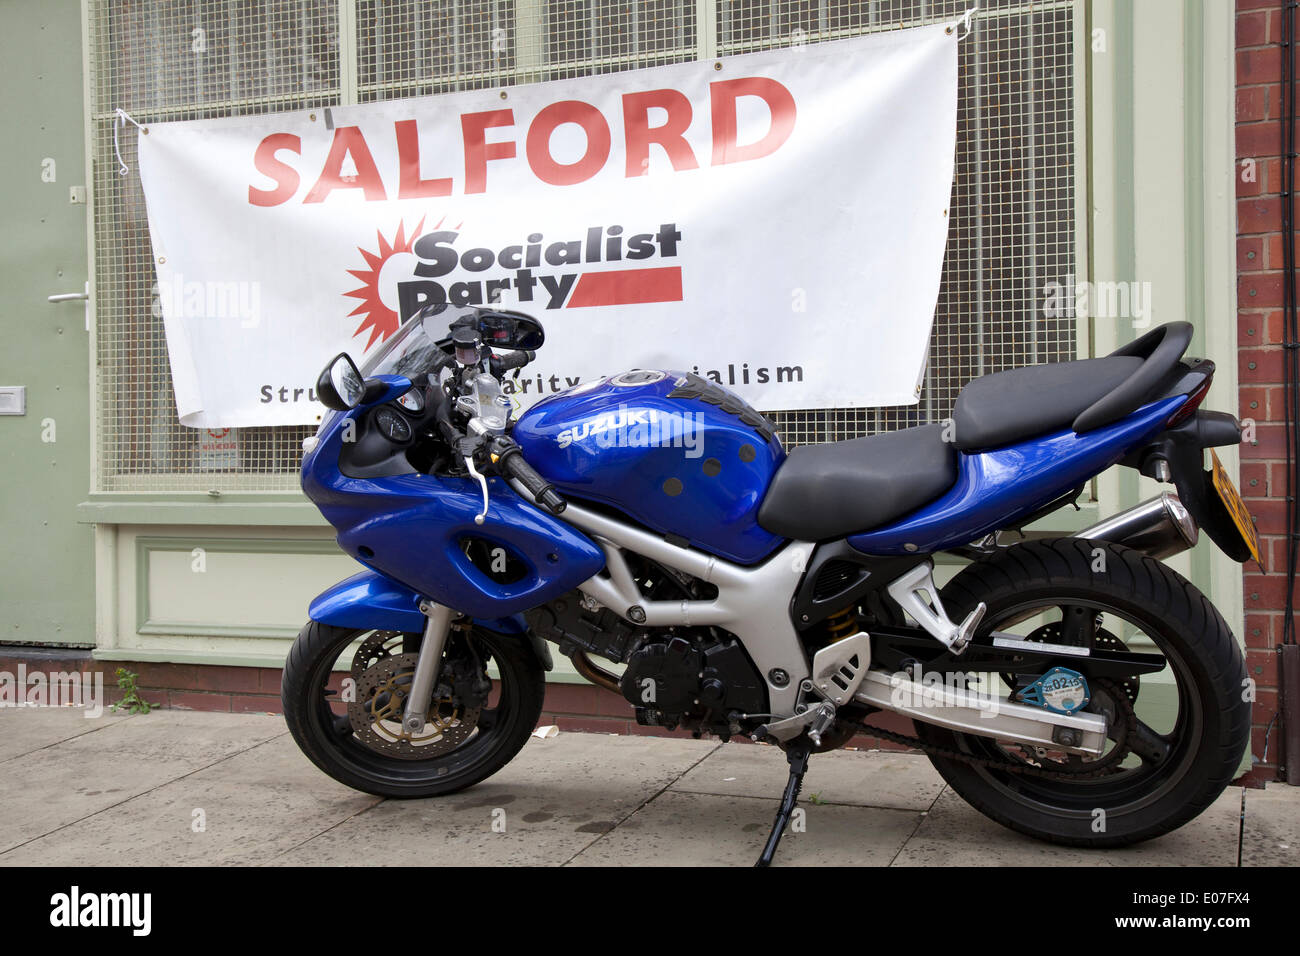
[414, 528]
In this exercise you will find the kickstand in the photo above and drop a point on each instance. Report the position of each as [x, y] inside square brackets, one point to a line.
[797, 755]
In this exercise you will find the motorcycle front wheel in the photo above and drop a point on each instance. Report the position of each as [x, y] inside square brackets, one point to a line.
[344, 691]
[1177, 736]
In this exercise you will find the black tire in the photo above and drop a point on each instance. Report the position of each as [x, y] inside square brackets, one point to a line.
[502, 731]
[1210, 731]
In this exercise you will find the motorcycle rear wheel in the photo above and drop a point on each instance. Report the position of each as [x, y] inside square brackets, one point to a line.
[317, 716]
[1145, 796]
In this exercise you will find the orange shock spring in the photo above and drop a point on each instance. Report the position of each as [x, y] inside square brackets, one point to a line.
[841, 624]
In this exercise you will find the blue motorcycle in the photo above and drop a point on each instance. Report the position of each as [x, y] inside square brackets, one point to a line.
[652, 528]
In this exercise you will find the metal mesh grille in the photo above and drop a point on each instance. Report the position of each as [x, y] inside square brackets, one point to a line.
[420, 47]
[179, 61]
[414, 48]
[1012, 214]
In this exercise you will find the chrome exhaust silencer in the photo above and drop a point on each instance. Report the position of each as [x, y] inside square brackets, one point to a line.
[1160, 527]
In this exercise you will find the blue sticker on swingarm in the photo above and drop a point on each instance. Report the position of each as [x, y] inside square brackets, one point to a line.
[1060, 689]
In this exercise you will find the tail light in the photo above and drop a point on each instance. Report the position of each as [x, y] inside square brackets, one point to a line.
[1189, 407]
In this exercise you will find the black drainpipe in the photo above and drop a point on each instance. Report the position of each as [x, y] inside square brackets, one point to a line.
[1289, 671]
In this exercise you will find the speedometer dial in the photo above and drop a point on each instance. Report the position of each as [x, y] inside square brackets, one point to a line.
[392, 426]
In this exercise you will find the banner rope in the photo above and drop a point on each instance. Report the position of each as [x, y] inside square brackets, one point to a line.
[123, 117]
[965, 22]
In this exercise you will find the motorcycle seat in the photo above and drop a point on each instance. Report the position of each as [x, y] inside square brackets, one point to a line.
[1022, 403]
[1008, 406]
[821, 492]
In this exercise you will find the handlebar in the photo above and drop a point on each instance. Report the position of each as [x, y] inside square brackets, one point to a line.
[516, 359]
[510, 459]
[505, 451]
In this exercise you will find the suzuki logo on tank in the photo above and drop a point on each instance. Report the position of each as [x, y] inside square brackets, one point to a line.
[774, 221]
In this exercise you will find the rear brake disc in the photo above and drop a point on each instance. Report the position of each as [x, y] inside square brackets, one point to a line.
[1103, 639]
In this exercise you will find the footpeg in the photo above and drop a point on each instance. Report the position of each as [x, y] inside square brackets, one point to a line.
[821, 723]
[967, 628]
[817, 715]
[837, 671]
[916, 594]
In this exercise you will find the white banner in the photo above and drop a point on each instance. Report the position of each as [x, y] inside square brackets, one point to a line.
[774, 221]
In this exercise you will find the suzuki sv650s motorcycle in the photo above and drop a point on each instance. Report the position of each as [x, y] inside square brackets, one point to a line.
[1073, 688]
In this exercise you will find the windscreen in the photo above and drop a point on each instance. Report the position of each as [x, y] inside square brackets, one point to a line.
[412, 350]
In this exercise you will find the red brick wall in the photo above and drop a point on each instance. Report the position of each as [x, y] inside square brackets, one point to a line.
[256, 690]
[1259, 336]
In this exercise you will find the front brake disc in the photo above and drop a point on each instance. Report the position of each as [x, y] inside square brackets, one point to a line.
[377, 647]
[376, 713]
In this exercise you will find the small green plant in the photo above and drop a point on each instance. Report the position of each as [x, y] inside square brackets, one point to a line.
[131, 699]
[816, 798]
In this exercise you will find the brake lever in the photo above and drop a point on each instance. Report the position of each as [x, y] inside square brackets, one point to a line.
[469, 465]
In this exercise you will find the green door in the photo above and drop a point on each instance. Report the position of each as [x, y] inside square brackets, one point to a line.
[47, 580]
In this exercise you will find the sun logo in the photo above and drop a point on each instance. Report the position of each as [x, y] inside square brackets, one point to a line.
[392, 262]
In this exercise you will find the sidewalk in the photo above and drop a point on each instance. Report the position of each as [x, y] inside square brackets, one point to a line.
[175, 787]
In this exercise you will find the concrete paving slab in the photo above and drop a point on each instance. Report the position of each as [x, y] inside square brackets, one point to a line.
[244, 810]
[80, 776]
[699, 829]
[24, 730]
[128, 789]
[856, 778]
[553, 800]
[1272, 827]
[954, 834]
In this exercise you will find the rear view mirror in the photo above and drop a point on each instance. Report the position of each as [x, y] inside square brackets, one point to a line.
[340, 385]
[511, 330]
[500, 329]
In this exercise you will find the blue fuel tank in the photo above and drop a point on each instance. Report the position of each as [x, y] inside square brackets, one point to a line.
[674, 452]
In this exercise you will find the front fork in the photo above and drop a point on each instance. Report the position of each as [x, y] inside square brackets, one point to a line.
[437, 626]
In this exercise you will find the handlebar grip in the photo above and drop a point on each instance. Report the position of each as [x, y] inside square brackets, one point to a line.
[511, 460]
[516, 359]
[550, 500]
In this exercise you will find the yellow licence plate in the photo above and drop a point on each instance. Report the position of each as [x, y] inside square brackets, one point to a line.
[1231, 499]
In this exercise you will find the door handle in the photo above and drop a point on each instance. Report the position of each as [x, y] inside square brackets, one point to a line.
[74, 297]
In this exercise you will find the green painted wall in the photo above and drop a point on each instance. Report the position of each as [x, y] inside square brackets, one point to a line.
[1162, 207]
[46, 568]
